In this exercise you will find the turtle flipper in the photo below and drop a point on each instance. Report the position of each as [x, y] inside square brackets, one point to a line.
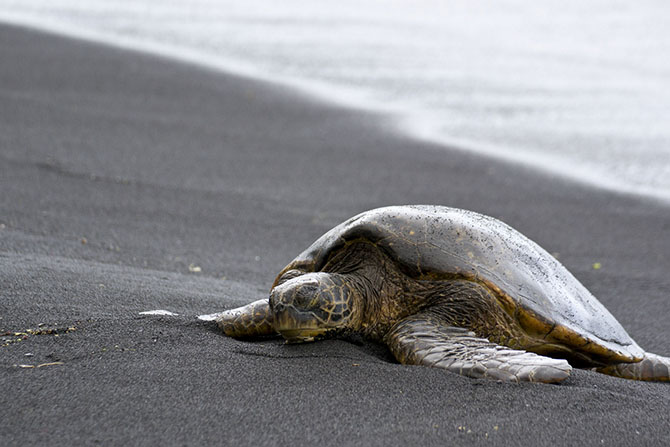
[652, 368]
[252, 320]
[424, 340]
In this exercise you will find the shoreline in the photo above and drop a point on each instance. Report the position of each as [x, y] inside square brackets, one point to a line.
[121, 172]
[388, 120]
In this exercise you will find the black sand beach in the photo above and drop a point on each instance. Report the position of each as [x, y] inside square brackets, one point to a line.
[122, 175]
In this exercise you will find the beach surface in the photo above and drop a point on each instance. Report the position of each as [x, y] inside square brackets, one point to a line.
[131, 183]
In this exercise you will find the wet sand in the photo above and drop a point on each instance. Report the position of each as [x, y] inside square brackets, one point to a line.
[131, 183]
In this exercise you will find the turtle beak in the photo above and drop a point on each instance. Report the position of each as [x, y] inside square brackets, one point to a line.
[295, 336]
[296, 326]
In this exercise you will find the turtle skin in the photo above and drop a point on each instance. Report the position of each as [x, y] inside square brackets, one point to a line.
[448, 288]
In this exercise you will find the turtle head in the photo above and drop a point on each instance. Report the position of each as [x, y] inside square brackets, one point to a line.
[310, 306]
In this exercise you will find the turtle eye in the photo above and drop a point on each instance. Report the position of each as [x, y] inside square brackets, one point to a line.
[304, 296]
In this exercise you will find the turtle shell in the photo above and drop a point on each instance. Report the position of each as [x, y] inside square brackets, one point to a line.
[435, 242]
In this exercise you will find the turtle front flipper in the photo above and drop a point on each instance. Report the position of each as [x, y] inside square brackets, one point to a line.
[422, 339]
[652, 367]
[252, 320]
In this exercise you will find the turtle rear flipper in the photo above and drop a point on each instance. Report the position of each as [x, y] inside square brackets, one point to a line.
[652, 368]
[421, 340]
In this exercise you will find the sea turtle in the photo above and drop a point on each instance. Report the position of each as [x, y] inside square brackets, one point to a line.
[447, 288]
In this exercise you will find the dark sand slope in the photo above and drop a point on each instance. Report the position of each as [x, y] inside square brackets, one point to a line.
[159, 166]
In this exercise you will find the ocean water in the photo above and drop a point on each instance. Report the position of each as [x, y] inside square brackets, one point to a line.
[579, 89]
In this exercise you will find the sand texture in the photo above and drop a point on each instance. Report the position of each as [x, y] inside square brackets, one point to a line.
[130, 183]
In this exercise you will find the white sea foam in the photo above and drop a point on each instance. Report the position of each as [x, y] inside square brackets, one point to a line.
[577, 88]
[159, 312]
